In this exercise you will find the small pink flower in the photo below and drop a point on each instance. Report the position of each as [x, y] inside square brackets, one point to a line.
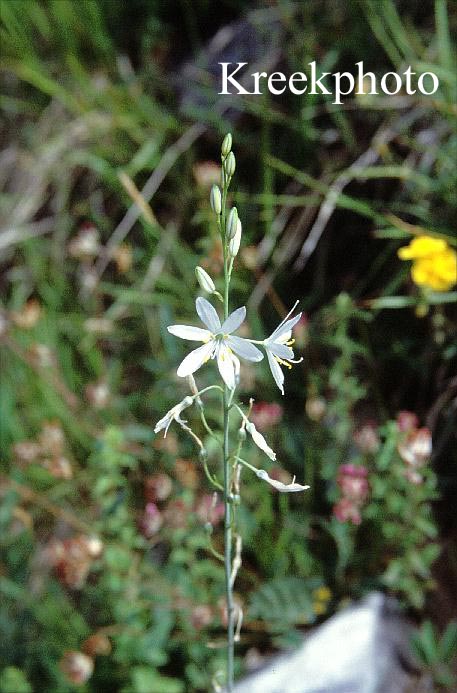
[414, 477]
[157, 487]
[201, 616]
[210, 509]
[264, 415]
[151, 520]
[347, 511]
[416, 448]
[367, 439]
[407, 421]
[353, 482]
[77, 667]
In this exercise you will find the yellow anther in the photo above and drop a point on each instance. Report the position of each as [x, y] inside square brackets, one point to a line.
[283, 363]
[290, 342]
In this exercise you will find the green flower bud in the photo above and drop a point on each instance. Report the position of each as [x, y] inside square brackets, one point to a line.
[241, 435]
[226, 145]
[234, 244]
[203, 455]
[232, 223]
[204, 280]
[208, 528]
[216, 200]
[230, 165]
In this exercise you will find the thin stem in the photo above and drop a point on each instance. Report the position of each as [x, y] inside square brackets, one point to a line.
[227, 475]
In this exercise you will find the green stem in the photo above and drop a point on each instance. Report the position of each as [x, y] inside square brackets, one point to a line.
[227, 481]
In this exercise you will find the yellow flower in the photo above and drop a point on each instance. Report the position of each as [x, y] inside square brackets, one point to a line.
[322, 594]
[434, 262]
[319, 608]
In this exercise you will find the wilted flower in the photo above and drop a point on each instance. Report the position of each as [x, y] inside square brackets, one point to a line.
[174, 414]
[278, 348]
[266, 414]
[77, 667]
[259, 440]
[416, 447]
[367, 439]
[434, 262]
[284, 488]
[219, 343]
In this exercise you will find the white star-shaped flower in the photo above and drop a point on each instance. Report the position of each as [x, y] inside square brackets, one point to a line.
[278, 348]
[218, 342]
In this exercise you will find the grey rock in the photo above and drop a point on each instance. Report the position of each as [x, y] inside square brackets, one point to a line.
[363, 649]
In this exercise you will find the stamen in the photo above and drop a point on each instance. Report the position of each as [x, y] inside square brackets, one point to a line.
[283, 363]
[288, 314]
[290, 342]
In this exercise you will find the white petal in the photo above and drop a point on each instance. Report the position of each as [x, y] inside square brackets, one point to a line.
[233, 321]
[195, 359]
[194, 334]
[284, 488]
[281, 350]
[164, 423]
[227, 366]
[207, 314]
[244, 348]
[260, 441]
[276, 371]
[282, 329]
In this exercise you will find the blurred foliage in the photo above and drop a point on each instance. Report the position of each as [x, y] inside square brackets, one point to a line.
[105, 557]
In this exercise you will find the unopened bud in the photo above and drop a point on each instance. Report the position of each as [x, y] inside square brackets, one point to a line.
[230, 165]
[204, 280]
[226, 145]
[215, 199]
[203, 455]
[232, 223]
[234, 244]
[241, 435]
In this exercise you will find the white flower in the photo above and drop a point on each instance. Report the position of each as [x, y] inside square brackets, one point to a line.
[259, 440]
[218, 342]
[278, 348]
[284, 488]
[173, 415]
